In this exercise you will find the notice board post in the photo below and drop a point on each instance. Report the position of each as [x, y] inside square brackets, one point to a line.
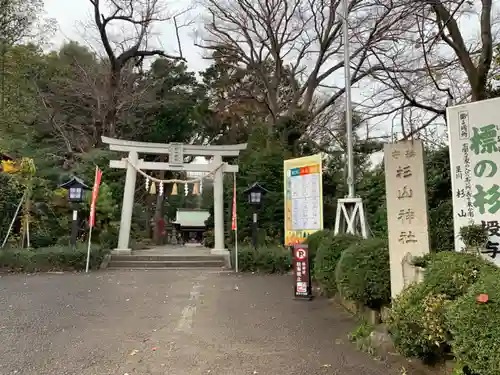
[303, 193]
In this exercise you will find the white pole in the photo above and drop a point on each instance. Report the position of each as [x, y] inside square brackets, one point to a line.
[219, 206]
[348, 103]
[28, 242]
[13, 220]
[128, 203]
[236, 250]
[88, 251]
[235, 230]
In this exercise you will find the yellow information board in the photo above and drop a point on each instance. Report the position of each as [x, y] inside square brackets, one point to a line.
[303, 187]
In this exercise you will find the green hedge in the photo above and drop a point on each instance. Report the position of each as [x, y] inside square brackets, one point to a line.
[452, 273]
[313, 242]
[475, 326]
[329, 251]
[57, 258]
[363, 274]
[269, 259]
[418, 322]
[209, 239]
[408, 324]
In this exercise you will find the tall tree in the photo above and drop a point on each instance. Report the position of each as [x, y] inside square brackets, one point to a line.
[448, 49]
[20, 105]
[298, 45]
[134, 17]
[237, 98]
[17, 18]
[172, 106]
[18, 22]
[71, 92]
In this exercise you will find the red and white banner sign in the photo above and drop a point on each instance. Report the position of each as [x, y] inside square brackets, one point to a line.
[233, 219]
[95, 193]
[302, 271]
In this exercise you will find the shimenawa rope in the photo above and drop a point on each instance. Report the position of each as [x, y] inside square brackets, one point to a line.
[174, 180]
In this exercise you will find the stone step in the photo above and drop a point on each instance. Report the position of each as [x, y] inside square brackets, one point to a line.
[208, 269]
[165, 263]
[156, 258]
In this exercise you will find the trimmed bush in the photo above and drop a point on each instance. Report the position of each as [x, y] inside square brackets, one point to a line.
[473, 321]
[363, 274]
[313, 242]
[57, 258]
[209, 239]
[271, 259]
[329, 251]
[418, 324]
[452, 273]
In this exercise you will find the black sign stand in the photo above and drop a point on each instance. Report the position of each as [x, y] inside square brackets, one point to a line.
[302, 272]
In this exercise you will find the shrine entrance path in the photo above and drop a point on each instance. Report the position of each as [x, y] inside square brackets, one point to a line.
[188, 322]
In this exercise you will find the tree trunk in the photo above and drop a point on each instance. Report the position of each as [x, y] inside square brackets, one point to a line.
[110, 118]
[478, 92]
[158, 229]
[149, 214]
[160, 200]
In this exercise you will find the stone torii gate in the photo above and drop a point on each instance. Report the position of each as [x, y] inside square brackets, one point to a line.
[176, 152]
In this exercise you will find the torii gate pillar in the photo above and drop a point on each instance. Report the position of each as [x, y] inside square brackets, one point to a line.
[176, 152]
[127, 206]
[219, 245]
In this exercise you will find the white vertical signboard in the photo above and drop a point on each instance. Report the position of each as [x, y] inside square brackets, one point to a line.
[407, 221]
[474, 139]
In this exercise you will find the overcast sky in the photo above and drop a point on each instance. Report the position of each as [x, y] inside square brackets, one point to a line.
[72, 14]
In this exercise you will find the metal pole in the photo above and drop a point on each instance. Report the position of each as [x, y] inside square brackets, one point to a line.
[28, 240]
[88, 250]
[254, 229]
[236, 266]
[348, 104]
[74, 227]
[13, 220]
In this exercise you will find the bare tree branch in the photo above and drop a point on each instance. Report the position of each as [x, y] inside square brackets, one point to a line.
[296, 48]
[137, 15]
